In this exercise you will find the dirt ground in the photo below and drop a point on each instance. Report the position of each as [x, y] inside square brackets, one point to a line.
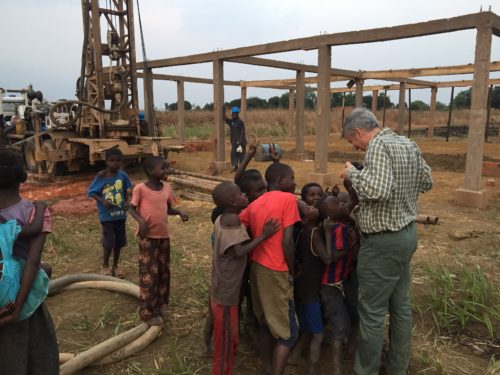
[464, 239]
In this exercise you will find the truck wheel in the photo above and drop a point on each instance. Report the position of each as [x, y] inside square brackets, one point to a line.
[29, 156]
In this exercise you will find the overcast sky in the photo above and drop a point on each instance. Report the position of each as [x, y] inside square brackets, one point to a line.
[41, 40]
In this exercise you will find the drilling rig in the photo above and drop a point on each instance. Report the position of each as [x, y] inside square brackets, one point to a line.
[105, 112]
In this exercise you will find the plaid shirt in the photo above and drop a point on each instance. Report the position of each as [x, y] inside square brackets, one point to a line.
[388, 186]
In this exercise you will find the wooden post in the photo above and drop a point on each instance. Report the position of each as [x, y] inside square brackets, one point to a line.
[409, 113]
[383, 110]
[218, 77]
[374, 101]
[471, 194]
[323, 109]
[488, 113]
[299, 113]
[243, 109]
[401, 115]
[343, 113]
[450, 111]
[181, 113]
[359, 93]
[432, 120]
[149, 105]
[291, 111]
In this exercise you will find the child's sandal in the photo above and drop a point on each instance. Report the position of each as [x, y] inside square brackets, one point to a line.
[106, 271]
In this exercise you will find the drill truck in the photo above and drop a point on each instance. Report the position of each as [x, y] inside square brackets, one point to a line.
[105, 112]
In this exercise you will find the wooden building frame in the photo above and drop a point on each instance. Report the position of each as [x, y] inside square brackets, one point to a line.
[486, 25]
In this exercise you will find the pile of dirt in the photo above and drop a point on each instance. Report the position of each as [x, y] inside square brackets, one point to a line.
[73, 206]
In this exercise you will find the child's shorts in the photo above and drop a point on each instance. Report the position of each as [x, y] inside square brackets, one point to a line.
[310, 318]
[272, 298]
[335, 312]
[114, 235]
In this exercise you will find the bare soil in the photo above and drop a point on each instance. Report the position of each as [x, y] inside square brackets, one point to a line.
[465, 238]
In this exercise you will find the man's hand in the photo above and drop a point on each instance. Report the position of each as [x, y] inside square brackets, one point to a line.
[271, 226]
[184, 216]
[348, 166]
[252, 150]
[273, 154]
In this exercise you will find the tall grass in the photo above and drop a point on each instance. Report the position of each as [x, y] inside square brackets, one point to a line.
[275, 122]
[458, 300]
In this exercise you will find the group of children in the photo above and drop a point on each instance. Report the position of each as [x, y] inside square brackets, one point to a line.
[301, 259]
[28, 343]
[297, 257]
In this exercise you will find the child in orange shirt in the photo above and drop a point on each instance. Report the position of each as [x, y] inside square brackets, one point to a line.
[150, 205]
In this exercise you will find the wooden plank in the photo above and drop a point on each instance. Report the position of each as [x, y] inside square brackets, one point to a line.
[439, 26]
[374, 101]
[243, 109]
[426, 72]
[293, 66]
[149, 105]
[291, 111]
[168, 77]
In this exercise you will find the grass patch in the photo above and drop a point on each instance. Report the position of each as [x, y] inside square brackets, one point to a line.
[430, 364]
[458, 300]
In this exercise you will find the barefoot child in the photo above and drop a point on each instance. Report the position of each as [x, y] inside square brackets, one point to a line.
[341, 240]
[231, 247]
[311, 256]
[111, 190]
[271, 268]
[150, 206]
[28, 342]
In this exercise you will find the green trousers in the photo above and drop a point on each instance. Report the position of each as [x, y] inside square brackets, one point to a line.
[384, 285]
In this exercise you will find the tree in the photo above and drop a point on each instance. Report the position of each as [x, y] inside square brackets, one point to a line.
[441, 107]
[336, 99]
[235, 103]
[310, 99]
[208, 107]
[463, 99]
[285, 100]
[380, 101]
[187, 106]
[255, 102]
[273, 102]
[166, 107]
[495, 97]
[418, 105]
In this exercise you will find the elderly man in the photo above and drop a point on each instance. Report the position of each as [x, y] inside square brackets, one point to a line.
[394, 174]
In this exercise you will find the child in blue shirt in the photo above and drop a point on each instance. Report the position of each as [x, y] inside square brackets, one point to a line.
[111, 190]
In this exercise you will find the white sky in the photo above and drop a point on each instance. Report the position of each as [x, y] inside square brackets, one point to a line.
[41, 40]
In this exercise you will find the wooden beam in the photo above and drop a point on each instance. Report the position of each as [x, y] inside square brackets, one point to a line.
[291, 111]
[425, 72]
[475, 140]
[218, 68]
[149, 105]
[359, 93]
[401, 113]
[374, 101]
[243, 109]
[299, 113]
[417, 82]
[181, 113]
[293, 66]
[323, 110]
[439, 26]
[432, 121]
[464, 83]
[168, 77]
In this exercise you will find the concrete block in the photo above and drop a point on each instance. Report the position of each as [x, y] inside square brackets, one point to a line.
[324, 179]
[472, 198]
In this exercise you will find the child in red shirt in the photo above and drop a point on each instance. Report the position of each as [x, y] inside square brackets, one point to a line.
[150, 205]
[271, 268]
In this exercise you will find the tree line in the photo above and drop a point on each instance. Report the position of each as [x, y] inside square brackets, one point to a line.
[461, 101]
